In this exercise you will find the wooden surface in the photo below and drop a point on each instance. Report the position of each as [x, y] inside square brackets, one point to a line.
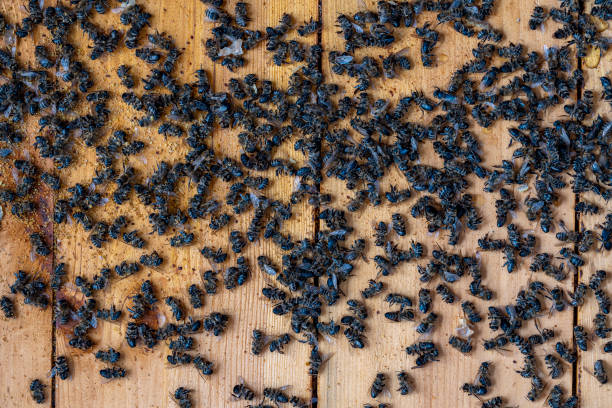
[28, 343]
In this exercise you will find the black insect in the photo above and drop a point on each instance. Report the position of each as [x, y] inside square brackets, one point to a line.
[182, 239]
[445, 293]
[216, 323]
[378, 385]
[357, 308]
[470, 312]
[373, 289]
[581, 338]
[257, 342]
[37, 390]
[599, 371]
[39, 245]
[380, 234]
[554, 365]
[60, 368]
[464, 346]
[603, 301]
[279, 343]
[241, 391]
[537, 17]
[182, 397]
[424, 300]
[108, 356]
[203, 366]
[276, 395]
[7, 306]
[113, 372]
[565, 353]
[403, 314]
[427, 323]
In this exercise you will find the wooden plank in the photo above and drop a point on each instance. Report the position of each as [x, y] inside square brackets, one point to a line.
[592, 393]
[349, 373]
[25, 342]
[150, 381]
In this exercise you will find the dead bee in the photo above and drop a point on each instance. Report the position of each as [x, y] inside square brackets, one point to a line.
[37, 390]
[109, 356]
[373, 289]
[600, 372]
[445, 293]
[464, 346]
[555, 368]
[279, 343]
[177, 309]
[60, 368]
[378, 385]
[182, 398]
[113, 372]
[357, 308]
[257, 342]
[241, 391]
[276, 395]
[7, 306]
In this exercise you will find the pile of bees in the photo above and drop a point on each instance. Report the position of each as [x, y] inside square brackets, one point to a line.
[356, 140]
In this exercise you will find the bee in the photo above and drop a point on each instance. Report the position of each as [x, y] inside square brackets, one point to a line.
[181, 239]
[399, 225]
[424, 300]
[405, 383]
[373, 289]
[601, 329]
[182, 398]
[37, 390]
[538, 16]
[464, 346]
[596, 279]
[400, 315]
[132, 239]
[241, 391]
[109, 356]
[210, 282]
[279, 343]
[603, 301]
[495, 402]
[555, 368]
[599, 371]
[581, 337]
[470, 312]
[380, 234]
[60, 368]
[276, 395]
[203, 366]
[427, 323]
[7, 306]
[151, 260]
[237, 241]
[257, 342]
[123, 72]
[445, 292]
[394, 298]
[378, 385]
[39, 244]
[357, 308]
[113, 372]
[565, 353]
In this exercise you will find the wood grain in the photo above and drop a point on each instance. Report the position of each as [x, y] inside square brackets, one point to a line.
[592, 393]
[347, 379]
[27, 348]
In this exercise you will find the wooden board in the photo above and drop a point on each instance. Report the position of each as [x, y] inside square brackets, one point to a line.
[592, 393]
[150, 381]
[347, 379]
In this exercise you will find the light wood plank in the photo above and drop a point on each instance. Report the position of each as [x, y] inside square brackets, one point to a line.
[150, 381]
[25, 342]
[592, 393]
[347, 379]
